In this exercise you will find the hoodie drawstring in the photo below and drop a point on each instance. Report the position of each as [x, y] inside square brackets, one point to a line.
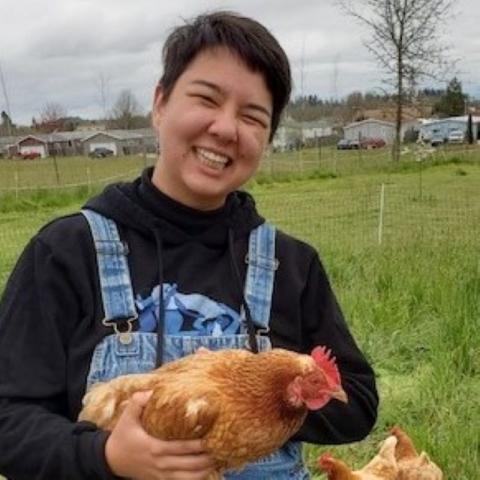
[161, 303]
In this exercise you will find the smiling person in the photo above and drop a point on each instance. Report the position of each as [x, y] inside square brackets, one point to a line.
[151, 270]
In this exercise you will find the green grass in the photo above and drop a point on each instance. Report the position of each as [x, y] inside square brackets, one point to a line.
[410, 289]
[416, 314]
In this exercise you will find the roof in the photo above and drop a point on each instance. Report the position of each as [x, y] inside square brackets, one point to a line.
[35, 137]
[369, 120]
[116, 134]
[9, 140]
[462, 118]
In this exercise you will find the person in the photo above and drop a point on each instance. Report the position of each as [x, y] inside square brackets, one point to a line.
[184, 231]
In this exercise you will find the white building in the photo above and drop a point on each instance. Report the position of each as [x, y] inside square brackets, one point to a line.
[442, 127]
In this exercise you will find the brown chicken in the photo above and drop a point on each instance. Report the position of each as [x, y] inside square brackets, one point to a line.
[382, 467]
[243, 405]
[411, 464]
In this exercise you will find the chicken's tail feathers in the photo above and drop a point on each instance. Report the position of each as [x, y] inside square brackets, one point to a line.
[425, 462]
[104, 402]
[387, 448]
[397, 431]
[405, 445]
[99, 406]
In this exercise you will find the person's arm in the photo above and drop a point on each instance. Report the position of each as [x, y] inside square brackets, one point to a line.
[37, 440]
[324, 324]
[40, 315]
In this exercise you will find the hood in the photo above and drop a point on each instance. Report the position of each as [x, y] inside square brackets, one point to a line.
[141, 206]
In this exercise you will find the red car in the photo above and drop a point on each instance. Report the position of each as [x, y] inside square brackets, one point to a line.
[372, 142]
[29, 155]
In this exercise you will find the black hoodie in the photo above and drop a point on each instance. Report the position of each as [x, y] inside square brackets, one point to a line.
[51, 312]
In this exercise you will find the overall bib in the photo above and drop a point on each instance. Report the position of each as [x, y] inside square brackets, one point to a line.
[136, 352]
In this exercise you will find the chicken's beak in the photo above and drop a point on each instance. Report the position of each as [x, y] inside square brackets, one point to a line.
[340, 395]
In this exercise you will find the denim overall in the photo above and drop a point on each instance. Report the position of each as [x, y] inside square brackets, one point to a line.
[128, 352]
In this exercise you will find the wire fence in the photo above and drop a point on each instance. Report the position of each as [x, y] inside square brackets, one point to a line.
[355, 213]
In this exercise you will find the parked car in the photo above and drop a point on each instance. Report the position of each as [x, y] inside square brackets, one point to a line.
[436, 140]
[346, 144]
[372, 142]
[456, 136]
[29, 155]
[100, 152]
[343, 144]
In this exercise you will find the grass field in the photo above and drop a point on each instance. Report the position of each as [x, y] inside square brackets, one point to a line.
[400, 243]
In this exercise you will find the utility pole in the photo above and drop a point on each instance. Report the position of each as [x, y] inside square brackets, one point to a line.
[7, 103]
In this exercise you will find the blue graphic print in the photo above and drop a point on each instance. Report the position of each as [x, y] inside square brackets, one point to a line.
[193, 314]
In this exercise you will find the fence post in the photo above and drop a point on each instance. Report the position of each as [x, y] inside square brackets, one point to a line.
[380, 215]
[89, 180]
[16, 185]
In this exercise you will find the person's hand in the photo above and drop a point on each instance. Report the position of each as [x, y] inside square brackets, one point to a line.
[130, 452]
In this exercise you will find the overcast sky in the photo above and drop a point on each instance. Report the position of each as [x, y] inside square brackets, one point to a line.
[61, 51]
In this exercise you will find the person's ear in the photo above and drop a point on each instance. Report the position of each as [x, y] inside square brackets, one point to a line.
[158, 105]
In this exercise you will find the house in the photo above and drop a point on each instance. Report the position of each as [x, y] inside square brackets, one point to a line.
[442, 127]
[32, 144]
[370, 128]
[52, 144]
[288, 136]
[8, 146]
[150, 140]
[120, 142]
[313, 130]
[64, 143]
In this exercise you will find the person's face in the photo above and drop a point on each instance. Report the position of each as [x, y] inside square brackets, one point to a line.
[213, 129]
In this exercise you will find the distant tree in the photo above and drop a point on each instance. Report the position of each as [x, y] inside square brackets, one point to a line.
[125, 111]
[405, 42]
[355, 106]
[7, 127]
[452, 102]
[52, 118]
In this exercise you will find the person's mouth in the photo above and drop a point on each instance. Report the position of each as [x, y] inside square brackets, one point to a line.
[211, 159]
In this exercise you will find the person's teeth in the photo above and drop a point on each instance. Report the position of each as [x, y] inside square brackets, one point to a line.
[212, 159]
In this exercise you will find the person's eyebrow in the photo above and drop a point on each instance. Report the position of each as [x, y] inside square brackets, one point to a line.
[213, 86]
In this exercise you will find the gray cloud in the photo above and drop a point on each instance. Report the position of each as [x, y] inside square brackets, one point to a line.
[57, 51]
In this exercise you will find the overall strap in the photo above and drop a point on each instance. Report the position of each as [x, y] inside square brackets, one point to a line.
[113, 271]
[261, 274]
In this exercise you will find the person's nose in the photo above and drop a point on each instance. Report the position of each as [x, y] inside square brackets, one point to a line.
[224, 125]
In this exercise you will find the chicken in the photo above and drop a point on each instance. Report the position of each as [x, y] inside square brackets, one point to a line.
[382, 467]
[411, 464]
[243, 405]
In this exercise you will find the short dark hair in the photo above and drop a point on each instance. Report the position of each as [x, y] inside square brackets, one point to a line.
[254, 44]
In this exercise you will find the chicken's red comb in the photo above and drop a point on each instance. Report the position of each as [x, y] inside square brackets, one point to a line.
[325, 461]
[324, 359]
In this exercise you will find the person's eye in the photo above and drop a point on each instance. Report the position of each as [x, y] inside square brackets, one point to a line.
[205, 99]
[255, 120]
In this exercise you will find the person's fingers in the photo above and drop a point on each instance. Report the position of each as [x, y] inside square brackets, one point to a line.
[180, 447]
[138, 401]
[184, 462]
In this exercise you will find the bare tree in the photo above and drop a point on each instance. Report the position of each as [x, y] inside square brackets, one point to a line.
[406, 43]
[52, 117]
[125, 110]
